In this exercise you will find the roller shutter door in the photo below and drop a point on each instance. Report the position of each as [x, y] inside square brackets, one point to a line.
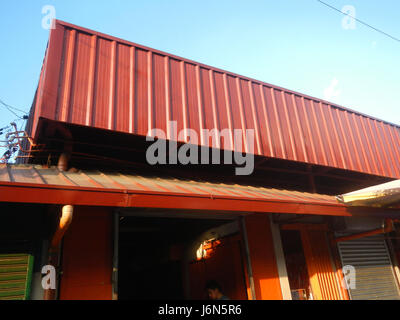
[375, 279]
[15, 276]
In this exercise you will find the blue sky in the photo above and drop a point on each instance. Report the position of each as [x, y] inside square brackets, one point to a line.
[296, 44]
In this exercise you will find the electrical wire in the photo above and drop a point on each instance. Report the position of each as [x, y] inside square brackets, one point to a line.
[360, 21]
[13, 148]
[7, 105]
[11, 109]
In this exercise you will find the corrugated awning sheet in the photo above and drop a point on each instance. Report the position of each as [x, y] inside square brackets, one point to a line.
[96, 179]
[387, 194]
[33, 183]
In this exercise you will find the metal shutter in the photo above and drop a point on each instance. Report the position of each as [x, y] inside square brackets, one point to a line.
[375, 279]
[15, 276]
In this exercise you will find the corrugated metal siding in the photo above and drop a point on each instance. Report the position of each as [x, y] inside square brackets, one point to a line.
[38, 175]
[375, 279]
[96, 80]
[323, 279]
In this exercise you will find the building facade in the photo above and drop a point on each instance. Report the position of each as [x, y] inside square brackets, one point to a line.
[85, 200]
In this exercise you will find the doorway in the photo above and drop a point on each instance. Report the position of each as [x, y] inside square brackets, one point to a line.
[296, 266]
[155, 255]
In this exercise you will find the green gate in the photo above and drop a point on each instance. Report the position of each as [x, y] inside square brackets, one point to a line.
[15, 276]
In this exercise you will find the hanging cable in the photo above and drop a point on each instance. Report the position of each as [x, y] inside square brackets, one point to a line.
[13, 140]
[360, 21]
[14, 110]
[7, 105]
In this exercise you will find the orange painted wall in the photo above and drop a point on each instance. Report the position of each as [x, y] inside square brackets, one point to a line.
[262, 256]
[226, 266]
[319, 264]
[87, 256]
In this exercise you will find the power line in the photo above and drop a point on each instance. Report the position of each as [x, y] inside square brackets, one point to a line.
[11, 109]
[362, 22]
[12, 112]
[7, 105]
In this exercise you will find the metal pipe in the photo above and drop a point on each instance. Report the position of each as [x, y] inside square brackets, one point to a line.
[63, 224]
[387, 227]
[65, 221]
[62, 164]
[54, 250]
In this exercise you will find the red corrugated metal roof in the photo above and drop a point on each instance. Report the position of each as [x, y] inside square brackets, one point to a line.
[97, 80]
[37, 184]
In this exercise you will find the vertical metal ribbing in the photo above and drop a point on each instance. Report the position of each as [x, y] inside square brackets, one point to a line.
[332, 284]
[345, 142]
[366, 135]
[184, 100]
[68, 67]
[228, 110]
[338, 144]
[396, 137]
[296, 115]
[383, 149]
[132, 88]
[350, 133]
[314, 153]
[200, 104]
[377, 152]
[318, 133]
[330, 145]
[241, 113]
[149, 91]
[38, 103]
[365, 157]
[390, 150]
[267, 122]
[167, 95]
[278, 124]
[291, 138]
[396, 148]
[214, 105]
[91, 80]
[255, 118]
[112, 86]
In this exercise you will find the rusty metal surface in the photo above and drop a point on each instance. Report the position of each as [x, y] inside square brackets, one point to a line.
[41, 176]
[97, 80]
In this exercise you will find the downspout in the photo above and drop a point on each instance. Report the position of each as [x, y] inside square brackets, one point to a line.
[65, 221]
[63, 224]
[387, 227]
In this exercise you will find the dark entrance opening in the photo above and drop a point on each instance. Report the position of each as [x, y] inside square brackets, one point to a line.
[151, 258]
[296, 266]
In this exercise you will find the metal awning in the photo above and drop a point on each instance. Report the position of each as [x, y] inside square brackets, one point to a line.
[383, 195]
[48, 185]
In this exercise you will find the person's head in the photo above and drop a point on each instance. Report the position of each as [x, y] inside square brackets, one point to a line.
[214, 290]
